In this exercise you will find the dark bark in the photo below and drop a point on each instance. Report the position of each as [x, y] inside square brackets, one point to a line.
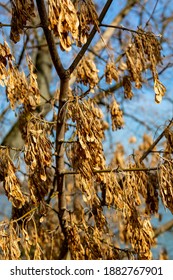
[50, 39]
[60, 130]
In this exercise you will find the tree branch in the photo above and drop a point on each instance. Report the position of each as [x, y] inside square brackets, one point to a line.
[60, 128]
[92, 34]
[24, 26]
[125, 29]
[50, 39]
[145, 154]
[116, 170]
[5, 7]
[147, 23]
[120, 27]
[103, 41]
[165, 227]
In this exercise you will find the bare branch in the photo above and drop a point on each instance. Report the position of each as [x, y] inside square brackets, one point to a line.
[116, 170]
[5, 7]
[50, 39]
[102, 42]
[24, 26]
[125, 29]
[92, 34]
[119, 27]
[145, 154]
[157, 1]
[163, 228]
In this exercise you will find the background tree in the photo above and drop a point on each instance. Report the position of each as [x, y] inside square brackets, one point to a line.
[73, 73]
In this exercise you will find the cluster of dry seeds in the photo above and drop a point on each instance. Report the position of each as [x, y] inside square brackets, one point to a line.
[22, 12]
[71, 20]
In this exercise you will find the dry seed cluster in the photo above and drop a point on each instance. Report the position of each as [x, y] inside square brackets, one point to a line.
[22, 12]
[87, 73]
[116, 115]
[38, 157]
[19, 88]
[144, 53]
[11, 183]
[70, 21]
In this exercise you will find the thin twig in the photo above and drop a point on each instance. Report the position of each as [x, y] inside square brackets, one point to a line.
[11, 148]
[132, 116]
[24, 26]
[97, 55]
[23, 51]
[25, 215]
[157, 1]
[116, 170]
[119, 27]
[146, 153]
[84, 94]
[4, 112]
[127, 29]
[43, 120]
